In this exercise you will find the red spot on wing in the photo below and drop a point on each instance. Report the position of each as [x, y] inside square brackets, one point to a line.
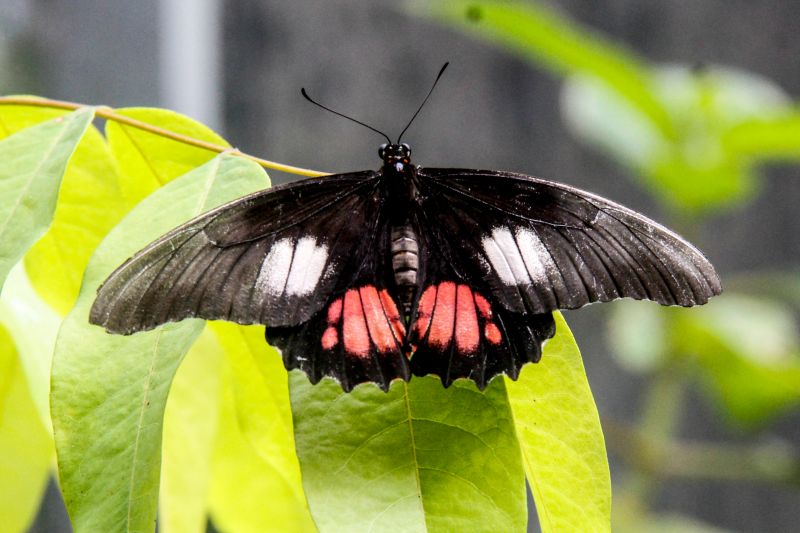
[393, 314]
[448, 312]
[492, 334]
[444, 315]
[335, 312]
[354, 330]
[484, 307]
[425, 310]
[467, 332]
[377, 322]
[330, 338]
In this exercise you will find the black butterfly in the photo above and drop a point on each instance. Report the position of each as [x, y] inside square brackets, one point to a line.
[376, 275]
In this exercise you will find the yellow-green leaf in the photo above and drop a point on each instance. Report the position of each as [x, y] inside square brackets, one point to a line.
[148, 161]
[34, 326]
[248, 493]
[418, 458]
[34, 160]
[26, 447]
[190, 430]
[108, 391]
[89, 205]
[561, 440]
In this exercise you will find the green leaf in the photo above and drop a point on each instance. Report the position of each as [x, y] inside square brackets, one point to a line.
[704, 165]
[109, 392]
[749, 354]
[34, 326]
[148, 161]
[18, 117]
[418, 458]
[775, 137]
[554, 42]
[190, 430]
[261, 392]
[26, 447]
[561, 439]
[89, 205]
[34, 160]
[638, 334]
[251, 493]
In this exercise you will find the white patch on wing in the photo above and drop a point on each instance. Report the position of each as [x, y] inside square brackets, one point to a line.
[503, 254]
[275, 269]
[307, 266]
[537, 259]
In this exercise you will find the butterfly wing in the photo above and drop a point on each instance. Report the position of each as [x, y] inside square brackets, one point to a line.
[285, 257]
[544, 246]
[519, 248]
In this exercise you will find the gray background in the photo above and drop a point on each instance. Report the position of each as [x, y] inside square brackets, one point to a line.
[491, 111]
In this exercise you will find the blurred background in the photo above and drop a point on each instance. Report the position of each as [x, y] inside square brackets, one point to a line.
[685, 110]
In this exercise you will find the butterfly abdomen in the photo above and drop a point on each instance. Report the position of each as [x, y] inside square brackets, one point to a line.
[405, 265]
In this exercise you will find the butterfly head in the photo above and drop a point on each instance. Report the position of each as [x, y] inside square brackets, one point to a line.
[395, 155]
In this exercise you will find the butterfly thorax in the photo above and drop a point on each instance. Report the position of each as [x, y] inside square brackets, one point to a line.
[400, 179]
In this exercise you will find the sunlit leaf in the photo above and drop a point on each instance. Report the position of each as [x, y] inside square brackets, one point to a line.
[190, 430]
[26, 447]
[261, 392]
[561, 440]
[418, 458]
[34, 160]
[34, 326]
[148, 161]
[18, 117]
[251, 493]
[89, 205]
[108, 391]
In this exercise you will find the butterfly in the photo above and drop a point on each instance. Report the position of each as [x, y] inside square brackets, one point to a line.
[383, 274]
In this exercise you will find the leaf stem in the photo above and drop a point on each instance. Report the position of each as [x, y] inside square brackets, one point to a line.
[108, 113]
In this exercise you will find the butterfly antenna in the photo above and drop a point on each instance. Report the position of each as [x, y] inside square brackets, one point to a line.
[305, 95]
[423, 102]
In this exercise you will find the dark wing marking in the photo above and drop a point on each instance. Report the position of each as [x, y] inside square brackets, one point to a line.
[542, 246]
[274, 257]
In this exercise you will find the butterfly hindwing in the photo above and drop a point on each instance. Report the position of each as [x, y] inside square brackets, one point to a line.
[459, 333]
[359, 337]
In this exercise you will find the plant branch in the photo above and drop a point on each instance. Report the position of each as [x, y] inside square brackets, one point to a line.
[108, 113]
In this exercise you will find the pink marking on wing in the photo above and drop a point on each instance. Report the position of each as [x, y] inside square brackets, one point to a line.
[335, 312]
[377, 322]
[467, 332]
[330, 338]
[425, 310]
[444, 315]
[484, 308]
[393, 314]
[354, 329]
[492, 334]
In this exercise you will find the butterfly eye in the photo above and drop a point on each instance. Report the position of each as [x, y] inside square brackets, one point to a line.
[406, 148]
[382, 150]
